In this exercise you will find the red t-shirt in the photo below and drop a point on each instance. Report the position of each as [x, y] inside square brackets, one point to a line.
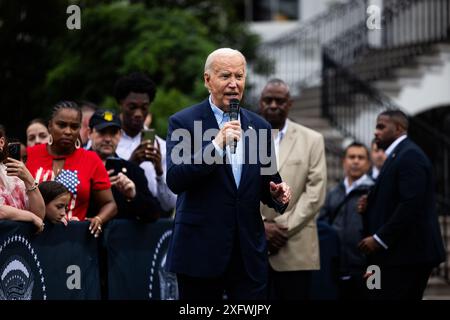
[82, 172]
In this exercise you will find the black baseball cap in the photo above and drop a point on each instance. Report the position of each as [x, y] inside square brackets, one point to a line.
[102, 119]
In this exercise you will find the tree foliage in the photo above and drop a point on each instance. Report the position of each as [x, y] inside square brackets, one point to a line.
[168, 39]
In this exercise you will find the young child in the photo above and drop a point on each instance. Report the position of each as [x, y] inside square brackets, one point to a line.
[56, 198]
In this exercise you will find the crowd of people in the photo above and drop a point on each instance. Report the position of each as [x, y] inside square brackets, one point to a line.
[238, 231]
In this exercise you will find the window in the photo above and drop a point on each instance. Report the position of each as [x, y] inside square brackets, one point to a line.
[269, 10]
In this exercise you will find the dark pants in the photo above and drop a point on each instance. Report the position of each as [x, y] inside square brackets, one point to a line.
[402, 283]
[235, 284]
[353, 289]
[289, 285]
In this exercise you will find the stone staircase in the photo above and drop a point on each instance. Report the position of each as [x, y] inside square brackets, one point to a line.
[415, 64]
[421, 65]
[438, 288]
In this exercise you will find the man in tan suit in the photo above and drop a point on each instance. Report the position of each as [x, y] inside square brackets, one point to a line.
[292, 237]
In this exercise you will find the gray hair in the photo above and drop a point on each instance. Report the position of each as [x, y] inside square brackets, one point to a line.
[221, 52]
[278, 82]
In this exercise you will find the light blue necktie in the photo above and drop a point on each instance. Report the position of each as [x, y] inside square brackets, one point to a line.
[236, 165]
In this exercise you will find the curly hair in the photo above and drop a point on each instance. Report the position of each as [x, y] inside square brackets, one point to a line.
[137, 82]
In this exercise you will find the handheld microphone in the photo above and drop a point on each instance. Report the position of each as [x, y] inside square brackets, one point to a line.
[234, 114]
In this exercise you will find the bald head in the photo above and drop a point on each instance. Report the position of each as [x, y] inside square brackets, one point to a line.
[275, 103]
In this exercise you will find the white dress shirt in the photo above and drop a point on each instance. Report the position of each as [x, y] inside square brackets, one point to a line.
[277, 140]
[236, 158]
[349, 187]
[375, 172]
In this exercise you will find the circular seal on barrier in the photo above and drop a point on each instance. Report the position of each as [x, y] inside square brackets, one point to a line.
[21, 276]
[162, 281]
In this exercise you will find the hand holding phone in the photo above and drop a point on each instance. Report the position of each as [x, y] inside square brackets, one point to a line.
[14, 150]
[148, 135]
[114, 164]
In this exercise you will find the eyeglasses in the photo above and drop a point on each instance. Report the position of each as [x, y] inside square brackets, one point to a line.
[278, 101]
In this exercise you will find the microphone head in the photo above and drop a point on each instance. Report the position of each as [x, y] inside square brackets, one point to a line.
[234, 102]
[234, 109]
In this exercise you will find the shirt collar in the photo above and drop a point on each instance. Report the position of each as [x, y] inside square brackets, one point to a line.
[218, 113]
[282, 132]
[394, 144]
[125, 136]
[375, 172]
[355, 184]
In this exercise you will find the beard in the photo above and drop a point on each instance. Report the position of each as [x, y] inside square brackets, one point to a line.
[383, 145]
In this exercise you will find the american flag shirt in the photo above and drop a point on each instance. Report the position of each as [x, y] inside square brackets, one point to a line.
[82, 172]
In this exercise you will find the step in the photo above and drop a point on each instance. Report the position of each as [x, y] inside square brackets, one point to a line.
[441, 47]
[437, 287]
[409, 81]
[304, 111]
[435, 297]
[429, 60]
[331, 134]
[309, 93]
[416, 61]
[388, 87]
[307, 104]
[314, 122]
[409, 72]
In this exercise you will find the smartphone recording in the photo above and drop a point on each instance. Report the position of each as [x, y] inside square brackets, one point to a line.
[14, 150]
[148, 135]
[114, 164]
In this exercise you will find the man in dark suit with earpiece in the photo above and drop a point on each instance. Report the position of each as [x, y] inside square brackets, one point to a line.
[403, 235]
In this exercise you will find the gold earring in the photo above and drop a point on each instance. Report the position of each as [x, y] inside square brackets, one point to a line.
[77, 144]
[50, 140]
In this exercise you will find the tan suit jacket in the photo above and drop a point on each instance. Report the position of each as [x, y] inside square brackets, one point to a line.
[302, 165]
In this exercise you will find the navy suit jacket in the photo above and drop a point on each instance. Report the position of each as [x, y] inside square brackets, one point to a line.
[211, 212]
[401, 210]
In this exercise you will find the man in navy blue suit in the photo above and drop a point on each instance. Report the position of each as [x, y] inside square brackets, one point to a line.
[404, 238]
[221, 169]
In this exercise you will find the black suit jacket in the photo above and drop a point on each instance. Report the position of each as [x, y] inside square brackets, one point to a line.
[144, 207]
[212, 213]
[401, 210]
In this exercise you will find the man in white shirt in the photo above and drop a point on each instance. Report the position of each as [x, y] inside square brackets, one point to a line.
[340, 211]
[134, 93]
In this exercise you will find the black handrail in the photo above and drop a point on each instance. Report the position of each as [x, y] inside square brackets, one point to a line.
[414, 21]
[408, 28]
[295, 57]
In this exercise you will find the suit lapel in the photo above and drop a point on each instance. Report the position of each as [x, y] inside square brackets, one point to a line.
[392, 157]
[208, 119]
[286, 145]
